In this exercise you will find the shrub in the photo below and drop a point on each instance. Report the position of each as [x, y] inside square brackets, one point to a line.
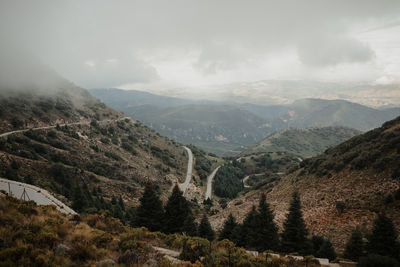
[112, 155]
[194, 248]
[397, 195]
[105, 140]
[389, 199]
[373, 260]
[130, 242]
[39, 149]
[81, 250]
[340, 206]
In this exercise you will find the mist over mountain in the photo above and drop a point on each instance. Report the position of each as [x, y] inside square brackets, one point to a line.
[284, 92]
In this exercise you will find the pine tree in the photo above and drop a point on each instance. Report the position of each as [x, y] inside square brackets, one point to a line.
[266, 236]
[150, 211]
[78, 202]
[316, 242]
[229, 226]
[121, 203]
[190, 226]
[113, 200]
[355, 246]
[383, 240]
[205, 229]
[294, 236]
[247, 232]
[176, 211]
[326, 251]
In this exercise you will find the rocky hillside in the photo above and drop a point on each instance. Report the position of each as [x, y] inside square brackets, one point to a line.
[87, 153]
[344, 187]
[303, 142]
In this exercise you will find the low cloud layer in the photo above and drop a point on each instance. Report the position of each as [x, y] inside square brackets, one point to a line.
[110, 43]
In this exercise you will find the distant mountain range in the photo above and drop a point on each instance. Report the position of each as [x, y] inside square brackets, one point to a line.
[222, 128]
[283, 92]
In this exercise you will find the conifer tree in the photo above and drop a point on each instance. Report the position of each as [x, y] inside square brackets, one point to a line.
[121, 203]
[322, 248]
[150, 211]
[326, 251]
[316, 242]
[205, 229]
[176, 211]
[228, 229]
[247, 234]
[189, 225]
[78, 201]
[266, 231]
[355, 246]
[383, 240]
[294, 236]
[113, 200]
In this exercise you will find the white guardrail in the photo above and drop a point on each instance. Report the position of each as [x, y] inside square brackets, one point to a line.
[30, 192]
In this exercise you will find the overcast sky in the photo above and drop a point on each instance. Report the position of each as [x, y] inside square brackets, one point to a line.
[188, 43]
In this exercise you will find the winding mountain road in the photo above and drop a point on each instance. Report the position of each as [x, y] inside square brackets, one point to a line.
[209, 183]
[185, 184]
[61, 125]
[245, 180]
[31, 192]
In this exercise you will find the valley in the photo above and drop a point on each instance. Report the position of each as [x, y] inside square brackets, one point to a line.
[200, 133]
[228, 128]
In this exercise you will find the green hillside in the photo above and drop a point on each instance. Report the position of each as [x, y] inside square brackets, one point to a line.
[215, 128]
[303, 142]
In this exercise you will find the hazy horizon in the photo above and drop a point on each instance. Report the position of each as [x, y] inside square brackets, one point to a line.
[225, 48]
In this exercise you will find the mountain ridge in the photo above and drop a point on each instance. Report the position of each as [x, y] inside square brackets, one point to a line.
[305, 142]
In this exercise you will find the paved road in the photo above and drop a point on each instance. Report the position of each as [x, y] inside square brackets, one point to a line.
[185, 184]
[209, 183]
[61, 125]
[37, 194]
[245, 181]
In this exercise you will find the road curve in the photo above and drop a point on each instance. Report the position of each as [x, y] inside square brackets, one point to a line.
[185, 184]
[209, 183]
[31, 192]
[245, 180]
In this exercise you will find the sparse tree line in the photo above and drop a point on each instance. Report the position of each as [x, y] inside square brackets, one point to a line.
[259, 232]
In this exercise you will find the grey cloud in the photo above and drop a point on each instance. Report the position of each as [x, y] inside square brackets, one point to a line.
[65, 34]
[333, 50]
